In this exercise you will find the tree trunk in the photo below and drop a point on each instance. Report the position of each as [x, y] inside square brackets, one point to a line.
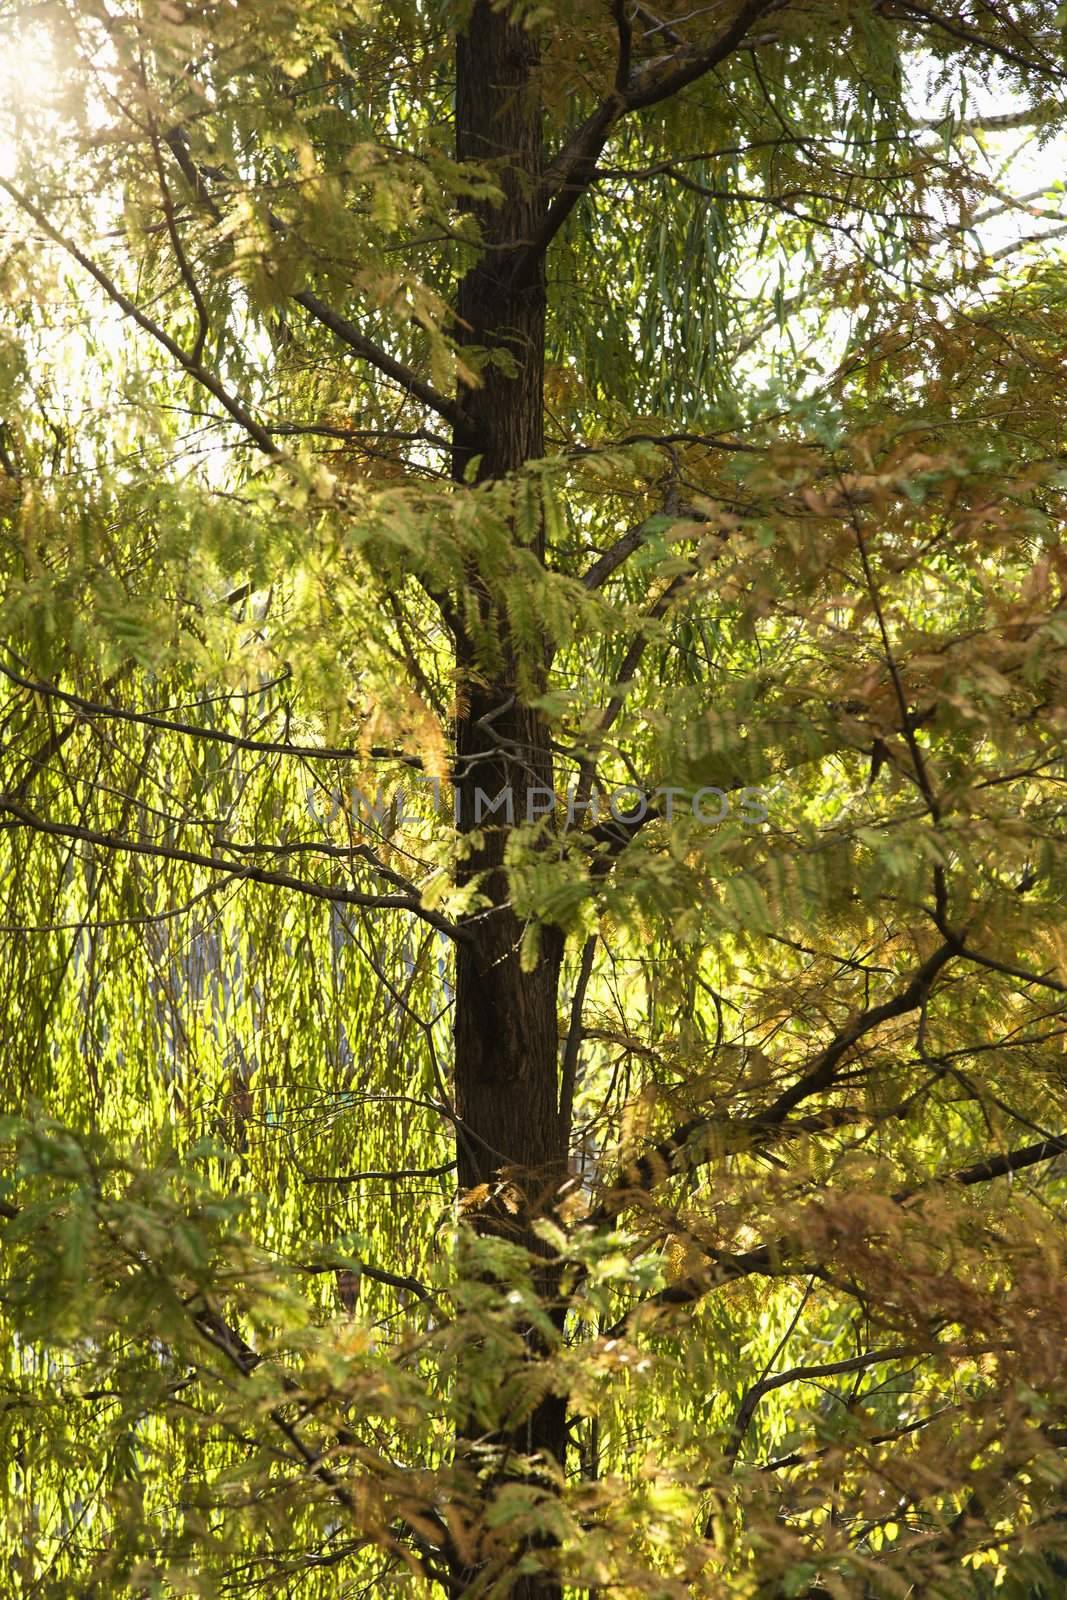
[506, 1029]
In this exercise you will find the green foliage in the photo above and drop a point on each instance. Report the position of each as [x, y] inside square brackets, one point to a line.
[790, 570]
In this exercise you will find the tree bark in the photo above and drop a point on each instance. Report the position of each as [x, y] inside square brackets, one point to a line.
[506, 1025]
[506, 1028]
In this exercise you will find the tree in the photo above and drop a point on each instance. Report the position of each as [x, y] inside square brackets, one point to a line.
[534, 864]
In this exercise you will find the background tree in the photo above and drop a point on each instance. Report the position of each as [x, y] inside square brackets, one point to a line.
[532, 800]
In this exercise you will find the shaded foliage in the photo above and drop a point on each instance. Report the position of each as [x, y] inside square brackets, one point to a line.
[532, 850]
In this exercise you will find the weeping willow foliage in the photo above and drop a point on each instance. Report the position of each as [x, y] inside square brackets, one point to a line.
[784, 593]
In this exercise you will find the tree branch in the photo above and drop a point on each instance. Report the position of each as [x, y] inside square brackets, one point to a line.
[799, 1457]
[573, 170]
[700, 1140]
[384, 1175]
[827, 1369]
[190, 364]
[450, 410]
[773, 1259]
[1001, 1166]
[574, 1039]
[613, 558]
[341, 327]
[228, 869]
[957, 30]
[190, 730]
[625, 33]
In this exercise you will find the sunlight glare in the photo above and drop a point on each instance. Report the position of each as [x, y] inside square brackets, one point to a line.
[27, 85]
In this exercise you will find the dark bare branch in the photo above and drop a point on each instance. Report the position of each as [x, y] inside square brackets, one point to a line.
[778, 1258]
[340, 326]
[573, 170]
[959, 31]
[228, 871]
[208, 380]
[146, 719]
